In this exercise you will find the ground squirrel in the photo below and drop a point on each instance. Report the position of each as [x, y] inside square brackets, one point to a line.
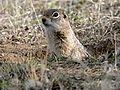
[61, 38]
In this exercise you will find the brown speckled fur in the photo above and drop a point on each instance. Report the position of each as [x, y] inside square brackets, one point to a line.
[61, 38]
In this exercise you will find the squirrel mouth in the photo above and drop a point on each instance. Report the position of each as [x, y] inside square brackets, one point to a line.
[46, 24]
[44, 21]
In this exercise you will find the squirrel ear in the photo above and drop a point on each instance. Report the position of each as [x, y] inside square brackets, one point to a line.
[64, 13]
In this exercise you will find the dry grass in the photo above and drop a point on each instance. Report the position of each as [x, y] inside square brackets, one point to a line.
[25, 63]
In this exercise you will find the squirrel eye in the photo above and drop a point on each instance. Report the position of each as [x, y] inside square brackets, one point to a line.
[55, 15]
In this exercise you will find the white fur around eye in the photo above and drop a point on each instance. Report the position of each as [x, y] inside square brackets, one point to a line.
[55, 15]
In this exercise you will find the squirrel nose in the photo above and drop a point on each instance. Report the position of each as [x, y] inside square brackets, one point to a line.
[43, 20]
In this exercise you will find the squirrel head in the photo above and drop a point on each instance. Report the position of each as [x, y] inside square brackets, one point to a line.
[55, 19]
